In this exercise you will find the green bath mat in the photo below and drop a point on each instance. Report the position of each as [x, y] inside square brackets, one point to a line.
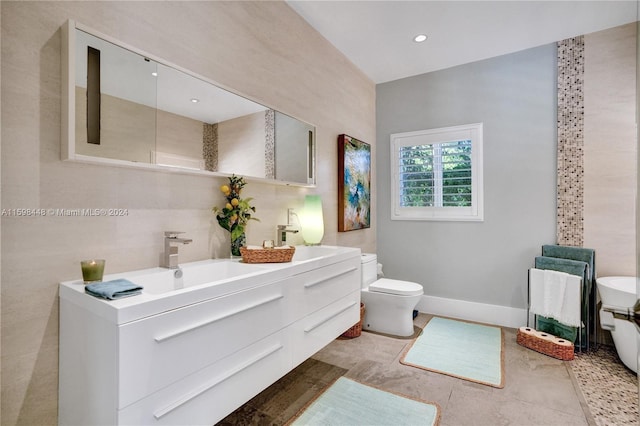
[347, 402]
[461, 349]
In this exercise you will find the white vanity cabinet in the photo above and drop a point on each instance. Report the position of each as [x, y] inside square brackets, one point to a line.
[195, 362]
[157, 351]
[326, 295]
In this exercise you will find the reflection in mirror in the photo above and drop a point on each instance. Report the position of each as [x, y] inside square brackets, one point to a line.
[123, 122]
[294, 145]
[204, 127]
[132, 109]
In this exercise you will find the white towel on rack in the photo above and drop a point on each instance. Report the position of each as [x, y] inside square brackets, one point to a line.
[571, 314]
[556, 295]
[546, 291]
[555, 284]
[536, 291]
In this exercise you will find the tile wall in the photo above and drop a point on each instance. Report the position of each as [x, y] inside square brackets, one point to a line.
[610, 149]
[261, 49]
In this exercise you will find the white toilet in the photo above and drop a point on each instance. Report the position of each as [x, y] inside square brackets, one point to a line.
[388, 303]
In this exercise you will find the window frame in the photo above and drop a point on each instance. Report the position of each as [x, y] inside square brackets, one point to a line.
[472, 132]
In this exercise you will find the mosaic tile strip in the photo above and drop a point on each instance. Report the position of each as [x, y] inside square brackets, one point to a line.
[270, 144]
[210, 147]
[609, 388]
[570, 190]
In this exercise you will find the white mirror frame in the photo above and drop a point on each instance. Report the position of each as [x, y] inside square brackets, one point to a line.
[68, 136]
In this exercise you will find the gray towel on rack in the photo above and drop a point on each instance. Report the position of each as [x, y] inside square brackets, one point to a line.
[573, 267]
[580, 254]
[116, 289]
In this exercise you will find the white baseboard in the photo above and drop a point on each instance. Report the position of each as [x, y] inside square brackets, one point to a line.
[472, 311]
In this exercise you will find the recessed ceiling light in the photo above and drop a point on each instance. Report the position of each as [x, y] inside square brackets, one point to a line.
[194, 100]
[155, 74]
[420, 38]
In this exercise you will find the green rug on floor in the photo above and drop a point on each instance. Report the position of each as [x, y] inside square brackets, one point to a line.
[461, 349]
[347, 402]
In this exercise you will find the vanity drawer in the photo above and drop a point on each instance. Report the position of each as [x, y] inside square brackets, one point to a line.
[317, 330]
[207, 396]
[320, 287]
[160, 350]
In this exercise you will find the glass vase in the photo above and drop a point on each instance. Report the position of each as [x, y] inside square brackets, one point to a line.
[241, 241]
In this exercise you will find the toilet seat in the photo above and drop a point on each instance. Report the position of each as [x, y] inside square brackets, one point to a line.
[397, 287]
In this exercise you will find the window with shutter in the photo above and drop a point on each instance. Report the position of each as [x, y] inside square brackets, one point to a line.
[437, 174]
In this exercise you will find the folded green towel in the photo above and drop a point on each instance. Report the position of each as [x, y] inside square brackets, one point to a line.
[572, 267]
[116, 289]
[551, 326]
[581, 254]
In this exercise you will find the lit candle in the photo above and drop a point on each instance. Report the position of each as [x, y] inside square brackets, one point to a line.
[92, 270]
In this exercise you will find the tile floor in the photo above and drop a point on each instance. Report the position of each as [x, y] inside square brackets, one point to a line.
[609, 387]
[539, 390]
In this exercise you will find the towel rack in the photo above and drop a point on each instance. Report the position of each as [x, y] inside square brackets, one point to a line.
[576, 261]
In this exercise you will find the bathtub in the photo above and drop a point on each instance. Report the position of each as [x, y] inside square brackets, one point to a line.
[620, 292]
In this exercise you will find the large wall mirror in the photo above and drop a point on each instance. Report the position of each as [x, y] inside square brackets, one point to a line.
[124, 107]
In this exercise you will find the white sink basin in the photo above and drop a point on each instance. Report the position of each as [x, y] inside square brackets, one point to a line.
[303, 253]
[165, 290]
[194, 274]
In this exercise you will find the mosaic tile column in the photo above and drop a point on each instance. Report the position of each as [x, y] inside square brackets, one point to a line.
[210, 147]
[270, 144]
[570, 191]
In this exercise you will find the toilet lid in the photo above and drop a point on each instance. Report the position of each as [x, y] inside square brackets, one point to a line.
[400, 288]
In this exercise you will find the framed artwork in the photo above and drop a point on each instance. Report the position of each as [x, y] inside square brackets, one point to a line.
[354, 184]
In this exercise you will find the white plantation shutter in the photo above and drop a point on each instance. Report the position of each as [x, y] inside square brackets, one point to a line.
[437, 174]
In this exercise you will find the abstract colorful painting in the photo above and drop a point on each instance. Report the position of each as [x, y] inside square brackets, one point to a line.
[354, 184]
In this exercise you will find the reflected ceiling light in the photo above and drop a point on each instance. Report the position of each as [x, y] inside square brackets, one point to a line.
[155, 74]
[195, 100]
[420, 38]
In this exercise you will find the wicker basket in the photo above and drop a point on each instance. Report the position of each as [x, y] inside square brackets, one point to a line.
[270, 255]
[356, 330]
[545, 343]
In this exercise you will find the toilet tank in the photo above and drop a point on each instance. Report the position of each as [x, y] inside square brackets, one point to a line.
[369, 268]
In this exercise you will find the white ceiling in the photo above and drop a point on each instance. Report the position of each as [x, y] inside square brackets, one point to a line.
[377, 36]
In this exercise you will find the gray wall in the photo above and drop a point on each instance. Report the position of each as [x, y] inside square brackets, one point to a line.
[484, 262]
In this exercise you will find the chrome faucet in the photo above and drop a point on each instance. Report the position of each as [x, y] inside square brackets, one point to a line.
[282, 234]
[631, 314]
[171, 249]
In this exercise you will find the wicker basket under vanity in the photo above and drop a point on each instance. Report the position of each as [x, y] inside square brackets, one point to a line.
[356, 330]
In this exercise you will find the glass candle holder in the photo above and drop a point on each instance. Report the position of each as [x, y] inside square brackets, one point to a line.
[92, 270]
